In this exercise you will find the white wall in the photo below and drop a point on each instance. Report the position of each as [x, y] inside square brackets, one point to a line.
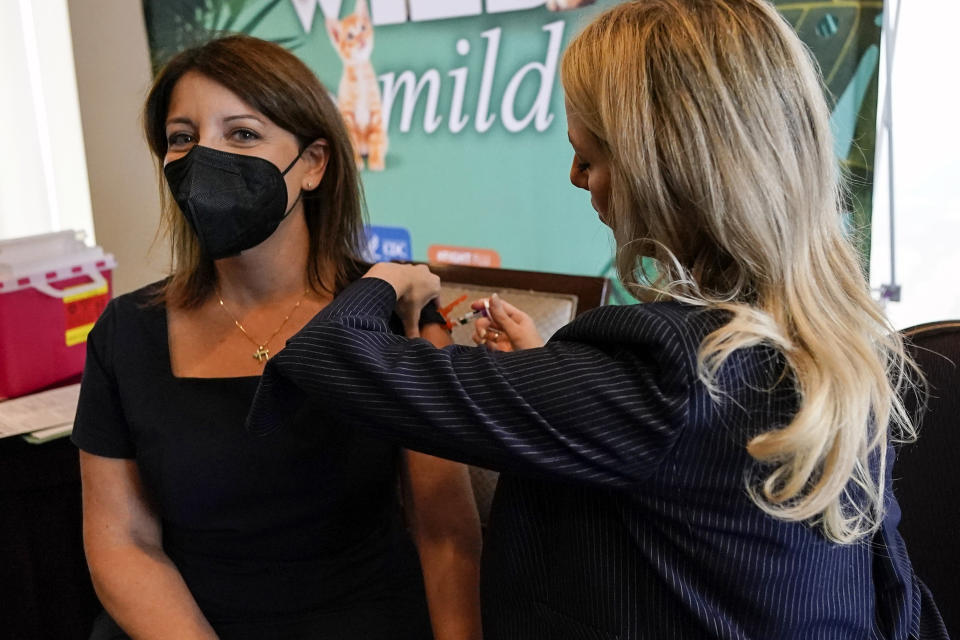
[113, 77]
[43, 177]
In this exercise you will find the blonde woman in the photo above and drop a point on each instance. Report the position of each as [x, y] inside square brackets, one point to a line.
[714, 463]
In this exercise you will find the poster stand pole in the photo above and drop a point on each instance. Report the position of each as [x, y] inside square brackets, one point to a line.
[890, 291]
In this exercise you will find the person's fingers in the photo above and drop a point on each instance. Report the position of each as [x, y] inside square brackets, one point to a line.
[493, 338]
[497, 340]
[495, 335]
[485, 330]
[501, 323]
[513, 312]
[519, 326]
[431, 280]
[418, 286]
[499, 313]
[479, 335]
[410, 317]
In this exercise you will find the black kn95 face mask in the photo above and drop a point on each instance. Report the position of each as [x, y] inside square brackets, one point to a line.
[232, 201]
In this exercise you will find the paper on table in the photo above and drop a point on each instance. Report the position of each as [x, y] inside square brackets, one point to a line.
[46, 435]
[42, 410]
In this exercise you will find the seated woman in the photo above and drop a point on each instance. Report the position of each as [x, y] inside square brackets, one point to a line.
[714, 463]
[193, 528]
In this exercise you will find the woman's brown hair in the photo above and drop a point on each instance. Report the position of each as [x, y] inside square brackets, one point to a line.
[277, 84]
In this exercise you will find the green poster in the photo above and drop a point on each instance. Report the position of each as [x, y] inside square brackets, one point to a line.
[475, 159]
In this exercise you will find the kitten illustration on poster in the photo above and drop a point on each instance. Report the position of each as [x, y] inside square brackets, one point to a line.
[566, 5]
[359, 94]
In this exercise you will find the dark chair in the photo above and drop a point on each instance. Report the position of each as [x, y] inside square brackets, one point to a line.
[927, 472]
[551, 299]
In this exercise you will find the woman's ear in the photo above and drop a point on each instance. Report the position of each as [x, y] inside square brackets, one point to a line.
[315, 156]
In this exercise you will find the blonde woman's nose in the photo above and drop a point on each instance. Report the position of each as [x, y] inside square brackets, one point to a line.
[577, 177]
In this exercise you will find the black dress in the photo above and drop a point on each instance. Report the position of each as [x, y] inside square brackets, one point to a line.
[299, 536]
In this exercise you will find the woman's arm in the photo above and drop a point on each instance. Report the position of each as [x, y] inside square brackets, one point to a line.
[136, 582]
[603, 402]
[445, 527]
[440, 508]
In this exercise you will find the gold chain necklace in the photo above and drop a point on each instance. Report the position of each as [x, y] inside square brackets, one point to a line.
[262, 353]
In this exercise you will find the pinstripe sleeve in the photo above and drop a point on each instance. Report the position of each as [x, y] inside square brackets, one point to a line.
[604, 413]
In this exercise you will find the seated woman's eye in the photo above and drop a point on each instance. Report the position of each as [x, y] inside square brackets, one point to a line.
[583, 166]
[245, 135]
[179, 139]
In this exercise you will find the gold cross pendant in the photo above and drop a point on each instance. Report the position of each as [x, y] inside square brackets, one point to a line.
[261, 354]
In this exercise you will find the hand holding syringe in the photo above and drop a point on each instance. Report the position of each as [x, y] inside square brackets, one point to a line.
[501, 326]
[482, 311]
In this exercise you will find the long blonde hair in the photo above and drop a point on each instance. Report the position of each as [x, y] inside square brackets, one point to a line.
[723, 177]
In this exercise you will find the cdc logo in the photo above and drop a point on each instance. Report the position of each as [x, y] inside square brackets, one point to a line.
[385, 244]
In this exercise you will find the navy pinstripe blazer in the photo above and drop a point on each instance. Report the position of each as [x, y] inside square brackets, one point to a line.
[621, 511]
